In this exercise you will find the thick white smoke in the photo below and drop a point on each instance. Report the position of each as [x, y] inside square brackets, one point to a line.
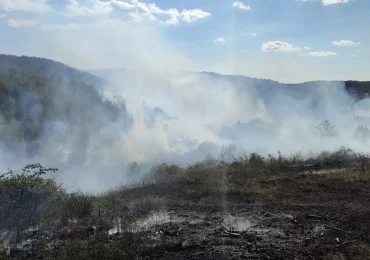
[178, 116]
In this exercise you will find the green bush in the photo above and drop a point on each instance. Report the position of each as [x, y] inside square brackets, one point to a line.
[163, 172]
[256, 160]
[27, 199]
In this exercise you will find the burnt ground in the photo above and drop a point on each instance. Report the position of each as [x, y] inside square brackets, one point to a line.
[310, 218]
[301, 217]
[292, 216]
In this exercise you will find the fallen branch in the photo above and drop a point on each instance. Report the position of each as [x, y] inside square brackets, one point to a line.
[232, 234]
[315, 216]
[253, 226]
[335, 228]
[346, 243]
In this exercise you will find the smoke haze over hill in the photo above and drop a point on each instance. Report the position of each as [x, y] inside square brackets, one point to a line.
[171, 116]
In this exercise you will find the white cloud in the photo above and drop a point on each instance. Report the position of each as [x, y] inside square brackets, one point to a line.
[98, 8]
[137, 11]
[189, 16]
[333, 2]
[325, 2]
[322, 53]
[279, 46]
[219, 40]
[38, 6]
[22, 23]
[244, 50]
[307, 48]
[131, 10]
[254, 34]
[241, 6]
[173, 16]
[124, 5]
[344, 43]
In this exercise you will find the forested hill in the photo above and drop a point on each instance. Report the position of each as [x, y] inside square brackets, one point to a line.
[53, 70]
[38, 94]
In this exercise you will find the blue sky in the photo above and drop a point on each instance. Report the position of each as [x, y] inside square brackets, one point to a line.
[285, 40]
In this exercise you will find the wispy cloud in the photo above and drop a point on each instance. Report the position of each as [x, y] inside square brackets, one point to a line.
[39, 6]
[325, 2]
[344, 43]
[279, 46]
[132, 10]
[97, 8]
[242, 6]
[322, 53]
[139, 11]
[307, 48]
[333, 2]
[219, 40]
[22, 23]
[2, 15]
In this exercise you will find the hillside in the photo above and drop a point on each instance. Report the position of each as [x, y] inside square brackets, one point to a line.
[53, 70]
[41, 98]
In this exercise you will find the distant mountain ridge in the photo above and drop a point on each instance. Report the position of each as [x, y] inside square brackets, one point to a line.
[359, 89]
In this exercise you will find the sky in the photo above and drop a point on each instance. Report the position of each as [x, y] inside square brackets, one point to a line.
[284, 40]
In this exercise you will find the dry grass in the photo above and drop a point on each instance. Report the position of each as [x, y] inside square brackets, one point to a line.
[348, 176]
[204, 185]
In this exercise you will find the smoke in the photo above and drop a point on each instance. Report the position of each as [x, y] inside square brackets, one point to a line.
[177, 116]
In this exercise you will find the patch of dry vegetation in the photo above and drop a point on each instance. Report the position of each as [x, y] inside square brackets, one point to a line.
[36, 201]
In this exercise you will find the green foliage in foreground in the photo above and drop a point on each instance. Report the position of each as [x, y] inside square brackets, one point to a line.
[27, 199]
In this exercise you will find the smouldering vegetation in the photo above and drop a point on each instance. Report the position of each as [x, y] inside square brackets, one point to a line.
[61, 225]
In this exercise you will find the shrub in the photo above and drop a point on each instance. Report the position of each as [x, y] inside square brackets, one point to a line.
[27, 199]
[256, 160]
[77, 206]
[344, 157]
[163, 172]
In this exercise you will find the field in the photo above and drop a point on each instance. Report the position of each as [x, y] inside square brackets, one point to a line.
[248, 208]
